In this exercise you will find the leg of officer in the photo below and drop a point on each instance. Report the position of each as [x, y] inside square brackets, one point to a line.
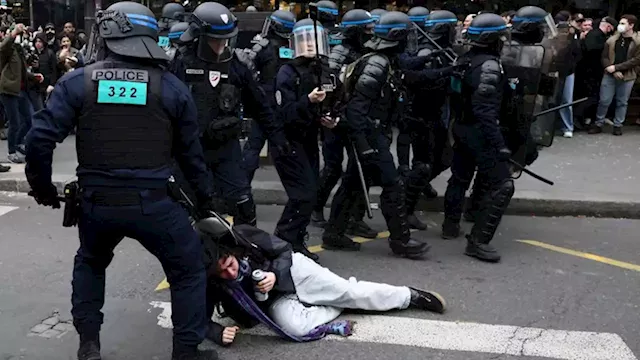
[251, 151]
[462, 170]
[298, 172]
[333, 154]
[99, 234]
[230, 179]
[162, 226]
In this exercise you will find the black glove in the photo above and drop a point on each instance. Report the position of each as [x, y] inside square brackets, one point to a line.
[504, 154]
[46, 196]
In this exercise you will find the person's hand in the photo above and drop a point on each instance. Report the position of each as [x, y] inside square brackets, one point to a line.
[267, 283]
[610, 69]
[49, 89]
[72, 60]
[64, 53]
[583, 35]
[618, 75]
[47, 196]
[39, 77]
[229, 334]
[19, 29]
[329, 122]
[317, 96]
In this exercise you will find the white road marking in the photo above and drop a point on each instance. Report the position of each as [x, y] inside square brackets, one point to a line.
[461, 336]
[6, 209]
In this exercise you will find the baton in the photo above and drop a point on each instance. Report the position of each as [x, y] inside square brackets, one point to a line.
[313, 14]
[362, 181]
[446, 52]
[560, 107]
[530, 173]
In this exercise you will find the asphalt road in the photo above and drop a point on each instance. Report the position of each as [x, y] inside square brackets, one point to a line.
[509, 310]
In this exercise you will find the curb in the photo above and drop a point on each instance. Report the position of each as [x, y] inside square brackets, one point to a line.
[272, 193]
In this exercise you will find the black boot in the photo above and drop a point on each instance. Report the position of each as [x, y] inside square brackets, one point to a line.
[301, 247]
[427, 300]
[417, 181]
[245, 211]
[411, 249]
[332, 240]
[415, 223]
[484, 252]
[429, 192]
[450, 230]
[317, 219]
[89, 349]
[195, 355]
[360, 228]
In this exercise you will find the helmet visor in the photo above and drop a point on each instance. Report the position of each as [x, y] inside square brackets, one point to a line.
[551, 30]
[281, 27]
[306, 42]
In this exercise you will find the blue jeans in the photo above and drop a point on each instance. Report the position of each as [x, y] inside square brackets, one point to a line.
[19, 111]
[609, 88]
[567, 96]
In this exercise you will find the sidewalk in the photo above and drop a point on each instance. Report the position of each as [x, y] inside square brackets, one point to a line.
[594, 175]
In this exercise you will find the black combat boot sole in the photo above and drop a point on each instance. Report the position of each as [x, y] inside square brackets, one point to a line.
[357, 231]
[474, 252]
[411, 253]
[450, 235]
[335, 247]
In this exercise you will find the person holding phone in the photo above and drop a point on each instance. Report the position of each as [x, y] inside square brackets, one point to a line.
[69, 58]
[14, 81]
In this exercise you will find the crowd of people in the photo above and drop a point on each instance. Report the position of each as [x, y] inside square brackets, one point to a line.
[163, 99]
[31, 61]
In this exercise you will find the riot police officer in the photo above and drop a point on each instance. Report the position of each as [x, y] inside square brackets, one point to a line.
[478, 140]
[225, 86]
[328, 16]
[375, 13]
[522, 59]
[172, 13]
[177, 45]
[299, 92]
[371, 87]
[132, 120]
[357, 28]
[423, 127]
[268, 54]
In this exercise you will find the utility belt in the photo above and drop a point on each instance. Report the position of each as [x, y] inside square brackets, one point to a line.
[74, 195]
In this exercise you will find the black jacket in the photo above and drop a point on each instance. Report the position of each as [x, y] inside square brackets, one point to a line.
[275, 257]
[47, 65]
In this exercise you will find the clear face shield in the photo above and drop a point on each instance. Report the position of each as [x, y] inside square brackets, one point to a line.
[551, 29]
[303, 41]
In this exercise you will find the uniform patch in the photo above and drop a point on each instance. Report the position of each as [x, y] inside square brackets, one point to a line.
[278, 97]
[285, 53]
[163, 41]
[224, 18]
[194, 72]
[214, 78]
[122, 92]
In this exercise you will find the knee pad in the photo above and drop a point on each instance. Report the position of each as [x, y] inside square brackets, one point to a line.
[422, 170]
[506, 189]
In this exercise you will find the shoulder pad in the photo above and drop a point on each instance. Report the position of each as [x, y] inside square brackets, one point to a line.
[490, 77]
[243, 57]
[259, 45]
[424, 52]
[338, 57]
[373, 76]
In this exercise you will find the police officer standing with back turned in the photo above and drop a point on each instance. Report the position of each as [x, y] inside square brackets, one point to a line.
[478, 140]
[224, 85]
[299, 91]
[132, 120]
[172, 13]
[269, 54]
[371, 85]
[357, 28]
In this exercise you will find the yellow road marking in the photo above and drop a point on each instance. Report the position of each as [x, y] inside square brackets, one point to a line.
[584, 255]
[314, 249]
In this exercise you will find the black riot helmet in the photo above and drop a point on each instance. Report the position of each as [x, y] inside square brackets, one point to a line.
[441, 26]
[171, 13]
[130, 29]
[216, 29]
[487, 30]
[418, 15]
[529, 24]
[327, 13]
[391, 31]
[176, 32]
[279, 23]
[357, 26]
[375, 13]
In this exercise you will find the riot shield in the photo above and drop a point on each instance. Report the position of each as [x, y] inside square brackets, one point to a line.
[522, 66]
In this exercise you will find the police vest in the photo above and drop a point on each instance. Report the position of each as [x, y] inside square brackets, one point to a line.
[123, 124]
[217, 100]
[276, 57]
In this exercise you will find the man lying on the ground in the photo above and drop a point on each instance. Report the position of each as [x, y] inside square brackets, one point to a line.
[303, 298]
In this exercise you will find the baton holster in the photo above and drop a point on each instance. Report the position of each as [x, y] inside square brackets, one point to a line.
[71, 204]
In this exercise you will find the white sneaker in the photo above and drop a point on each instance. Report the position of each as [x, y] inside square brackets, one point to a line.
[568, 134]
